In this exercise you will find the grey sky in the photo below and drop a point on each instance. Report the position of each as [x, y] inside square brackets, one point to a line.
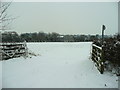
[65, 18]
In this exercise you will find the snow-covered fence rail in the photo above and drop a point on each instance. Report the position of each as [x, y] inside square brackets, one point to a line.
[97, 57]
[12, 50]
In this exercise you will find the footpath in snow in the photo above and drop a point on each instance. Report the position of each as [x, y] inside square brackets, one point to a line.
[58, 65]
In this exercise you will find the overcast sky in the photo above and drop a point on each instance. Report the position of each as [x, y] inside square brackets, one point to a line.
[65, 18]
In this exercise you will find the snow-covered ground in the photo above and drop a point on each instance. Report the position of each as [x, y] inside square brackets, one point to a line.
[58, 65]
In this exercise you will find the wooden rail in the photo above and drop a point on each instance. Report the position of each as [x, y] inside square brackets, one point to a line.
[97, 57]
[12, 50]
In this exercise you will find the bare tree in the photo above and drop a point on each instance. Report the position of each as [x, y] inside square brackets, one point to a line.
[5, 19]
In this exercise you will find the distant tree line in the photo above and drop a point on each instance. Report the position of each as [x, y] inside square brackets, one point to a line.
[47, 37]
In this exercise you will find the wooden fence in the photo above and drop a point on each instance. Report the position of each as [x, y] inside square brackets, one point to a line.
[12, 50]
[97, 57]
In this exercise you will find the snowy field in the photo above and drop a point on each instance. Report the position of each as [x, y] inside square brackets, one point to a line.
[58, 65]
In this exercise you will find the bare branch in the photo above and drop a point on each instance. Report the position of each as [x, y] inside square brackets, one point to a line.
[2, 18]
[8, 19]
[5, 20]
[6, 7]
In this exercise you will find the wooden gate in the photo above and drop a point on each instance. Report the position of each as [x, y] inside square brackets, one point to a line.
[97, 57]
[12, 50]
